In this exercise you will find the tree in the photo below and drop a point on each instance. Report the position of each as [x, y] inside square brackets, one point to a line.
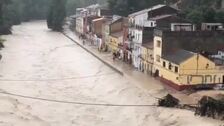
[219, 17]
[56, 15]
[209, 15]
[195, 16]
[125, 7]
[2, 4]
[4, 26]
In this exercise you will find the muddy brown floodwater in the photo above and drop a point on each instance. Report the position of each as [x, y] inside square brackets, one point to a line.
[44, 64]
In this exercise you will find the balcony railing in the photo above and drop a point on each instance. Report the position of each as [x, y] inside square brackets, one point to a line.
[136, 26]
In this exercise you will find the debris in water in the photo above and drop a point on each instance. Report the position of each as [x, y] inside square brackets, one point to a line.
[169, 101]
[210, 107]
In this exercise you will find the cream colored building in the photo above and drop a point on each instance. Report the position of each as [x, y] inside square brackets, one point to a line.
[183, 69]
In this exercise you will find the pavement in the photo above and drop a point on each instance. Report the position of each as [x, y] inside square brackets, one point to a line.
[141, 79]
[123, 68]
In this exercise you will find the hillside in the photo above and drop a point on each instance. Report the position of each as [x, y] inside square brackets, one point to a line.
[185, 4]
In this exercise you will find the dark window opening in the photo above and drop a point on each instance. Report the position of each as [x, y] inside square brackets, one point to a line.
[164, 64]
[176, 69]
[170, 66]
[223, 79]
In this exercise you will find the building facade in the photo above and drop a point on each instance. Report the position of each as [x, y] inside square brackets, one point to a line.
[116, 39]
[183, 69]
[138, 21]
[147, 58]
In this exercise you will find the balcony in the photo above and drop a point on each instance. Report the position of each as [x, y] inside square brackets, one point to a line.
[136, 26]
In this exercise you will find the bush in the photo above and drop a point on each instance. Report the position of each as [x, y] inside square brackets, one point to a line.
[210, 107]
[169, 101]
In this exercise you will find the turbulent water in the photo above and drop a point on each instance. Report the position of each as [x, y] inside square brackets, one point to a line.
[43, 64]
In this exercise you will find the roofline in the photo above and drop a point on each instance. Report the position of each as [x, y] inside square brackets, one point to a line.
[149, 9]
[184, 59]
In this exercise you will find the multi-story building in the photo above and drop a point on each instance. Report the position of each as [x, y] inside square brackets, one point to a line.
[138, 22]
[115, 26]
[183, 59]
[84, 16]
[147, 58]
[116, 39]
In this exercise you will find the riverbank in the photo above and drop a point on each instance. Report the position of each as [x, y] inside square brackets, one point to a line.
[43, 64]
[186, 98]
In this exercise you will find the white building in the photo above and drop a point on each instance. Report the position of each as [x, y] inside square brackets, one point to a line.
[182, 27]
[220, 55]
[211, 26]
[140, 20]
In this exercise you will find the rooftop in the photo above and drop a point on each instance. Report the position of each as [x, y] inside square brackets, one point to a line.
[148, 45]
[212, 23]
[147, 10]
[117, 34]
[160, 17]
[93, 6]
[98, 19]
[178, 56]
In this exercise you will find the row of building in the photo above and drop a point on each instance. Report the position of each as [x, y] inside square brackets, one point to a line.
[158, 42]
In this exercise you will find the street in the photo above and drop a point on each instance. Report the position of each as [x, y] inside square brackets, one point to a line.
[39, 63]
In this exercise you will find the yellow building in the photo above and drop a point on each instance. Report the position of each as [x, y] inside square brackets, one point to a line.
[147, 58]
[115, 40]
[183, 69]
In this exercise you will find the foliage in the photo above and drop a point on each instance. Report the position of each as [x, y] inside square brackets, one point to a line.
[169, 101]
[197, 11]
[56, 15]
[203, 10]
[125, 7]
[210, 107]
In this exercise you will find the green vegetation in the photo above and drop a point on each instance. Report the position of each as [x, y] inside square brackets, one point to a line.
[125, 7]
[56, 15]
[1, 43]
[203, 10]
[4, 26]
[211, 107]
[196, 11]
[13, 12]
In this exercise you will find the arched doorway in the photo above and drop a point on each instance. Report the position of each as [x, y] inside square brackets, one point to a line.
[156, 73]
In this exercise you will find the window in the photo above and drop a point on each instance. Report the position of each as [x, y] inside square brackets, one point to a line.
[170, 66]
[176, 69]
[164, 64]
[157, 58]
[158, 43]
[207, 66]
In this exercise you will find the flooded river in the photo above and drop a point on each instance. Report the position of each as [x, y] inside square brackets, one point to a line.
[39, 63]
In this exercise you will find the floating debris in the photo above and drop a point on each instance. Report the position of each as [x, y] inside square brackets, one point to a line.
[210, 107]
[169, 101]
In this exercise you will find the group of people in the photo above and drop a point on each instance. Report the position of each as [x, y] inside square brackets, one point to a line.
[83, 37]
[122, 55]
[118, 55]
